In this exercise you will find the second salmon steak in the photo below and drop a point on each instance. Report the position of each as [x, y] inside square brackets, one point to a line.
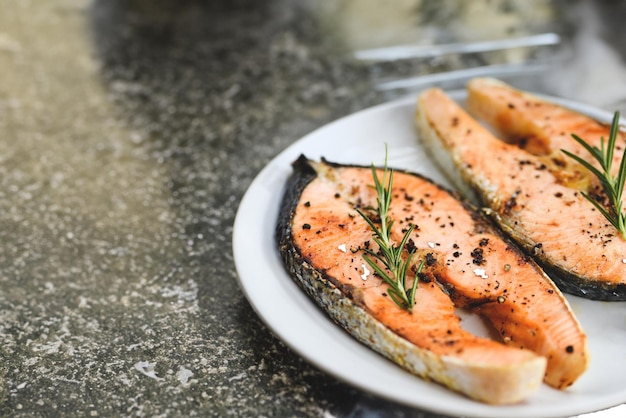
[524, 180]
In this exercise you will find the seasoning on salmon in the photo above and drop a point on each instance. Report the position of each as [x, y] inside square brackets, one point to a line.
[531, 187]
[467, 264]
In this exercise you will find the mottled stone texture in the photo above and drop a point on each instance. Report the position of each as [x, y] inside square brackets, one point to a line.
[129, 131]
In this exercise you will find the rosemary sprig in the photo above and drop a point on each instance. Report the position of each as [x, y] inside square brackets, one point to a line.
[613, 186]
[389, 255]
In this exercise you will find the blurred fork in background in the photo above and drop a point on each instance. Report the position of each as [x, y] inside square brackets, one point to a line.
[536, 64]
[398, 52]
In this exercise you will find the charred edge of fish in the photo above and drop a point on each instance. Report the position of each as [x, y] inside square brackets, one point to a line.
[585, 287]
[303, 174]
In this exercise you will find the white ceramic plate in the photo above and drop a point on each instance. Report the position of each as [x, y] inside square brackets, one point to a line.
[294, 318]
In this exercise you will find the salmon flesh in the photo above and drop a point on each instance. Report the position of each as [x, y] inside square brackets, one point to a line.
[528, 185]
[468, 264]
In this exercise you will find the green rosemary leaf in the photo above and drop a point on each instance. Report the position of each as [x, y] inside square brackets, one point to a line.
[612, 138]
[602, 210]
[585, 164]
[415, 280]
[621, 176]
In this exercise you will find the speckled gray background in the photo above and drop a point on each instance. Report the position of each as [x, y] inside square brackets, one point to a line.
[129, 131]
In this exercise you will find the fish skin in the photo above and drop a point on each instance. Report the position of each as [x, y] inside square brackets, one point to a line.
[420, 342]
[531, 189]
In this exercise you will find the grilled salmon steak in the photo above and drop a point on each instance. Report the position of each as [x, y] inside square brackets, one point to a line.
[532, 189]
[322, 240]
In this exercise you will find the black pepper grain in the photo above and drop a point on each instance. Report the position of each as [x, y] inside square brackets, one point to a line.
[477, 256]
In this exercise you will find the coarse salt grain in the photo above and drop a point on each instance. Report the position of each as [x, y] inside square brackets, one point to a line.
[624, 260]
[342, 248]
[366, 272]
[431, 244]
[481, 273]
